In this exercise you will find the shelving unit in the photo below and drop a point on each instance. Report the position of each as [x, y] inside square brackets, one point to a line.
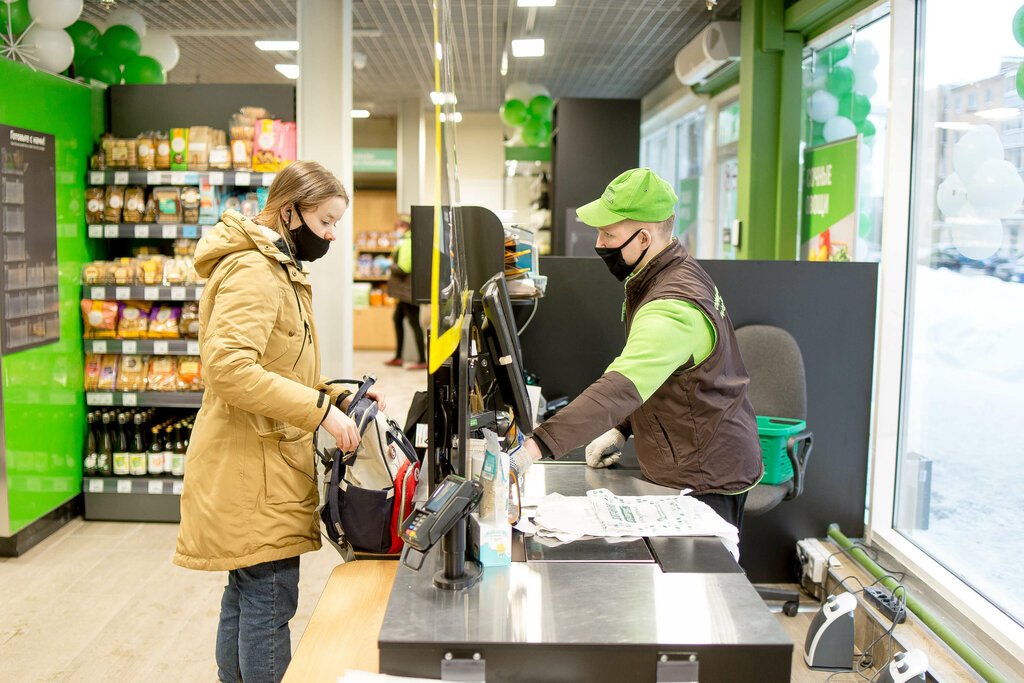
[144, 399]
[137, 499]
[143, 292]
[165, 231]
[375, 211]
[146, 347]
[220, 178]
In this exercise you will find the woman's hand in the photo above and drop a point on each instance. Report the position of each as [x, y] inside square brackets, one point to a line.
[342, 428]
[377, 396]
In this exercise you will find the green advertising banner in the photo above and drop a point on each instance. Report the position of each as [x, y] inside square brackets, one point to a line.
[374, 160]
[688, 206]
[829, 229]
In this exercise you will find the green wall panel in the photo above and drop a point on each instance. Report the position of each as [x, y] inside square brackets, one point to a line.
[43, 403]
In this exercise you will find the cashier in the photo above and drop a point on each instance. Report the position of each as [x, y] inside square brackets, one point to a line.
[678, 387]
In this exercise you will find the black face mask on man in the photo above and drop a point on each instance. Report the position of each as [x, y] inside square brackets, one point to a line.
[612, 257]
[309, 246]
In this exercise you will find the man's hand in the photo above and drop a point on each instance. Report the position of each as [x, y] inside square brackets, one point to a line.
[533, 450]
[606, 449]
[343, 428]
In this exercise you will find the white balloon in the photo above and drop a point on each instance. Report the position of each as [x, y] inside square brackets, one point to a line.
[977, 238]
[128, 17]
[866, 84]
[518, 91]
[538, 89]
[823, 105]
[995, 190]
[55, 14]
[52, 48]
[952, 195]
[978, 145]
[838, 128]
[162, 47]
[864, 55]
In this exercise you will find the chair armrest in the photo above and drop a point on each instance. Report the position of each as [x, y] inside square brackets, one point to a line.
[798, 448]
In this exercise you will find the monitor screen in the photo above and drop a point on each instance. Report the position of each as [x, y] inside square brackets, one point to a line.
[502, 342]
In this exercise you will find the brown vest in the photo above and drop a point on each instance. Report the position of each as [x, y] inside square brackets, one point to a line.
[698, 430]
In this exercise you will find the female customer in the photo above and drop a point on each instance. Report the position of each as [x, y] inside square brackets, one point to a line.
[249, 498]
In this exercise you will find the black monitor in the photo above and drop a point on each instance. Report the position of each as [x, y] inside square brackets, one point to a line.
[501, 340]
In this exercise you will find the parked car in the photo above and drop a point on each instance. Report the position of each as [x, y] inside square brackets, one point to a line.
[1010, 271]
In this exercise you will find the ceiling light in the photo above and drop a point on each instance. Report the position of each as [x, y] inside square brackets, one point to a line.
[504, 63]
[359, 60]
[535, 3]
[998, 114]
[278, 45]
[528, 47]
[438, 51]
[288, 70]
[442, 98]
[360, 114]
[456, 117]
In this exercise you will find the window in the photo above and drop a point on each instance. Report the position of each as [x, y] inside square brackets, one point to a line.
[727, 180]
[988, 97]
[689, 166]
[960, 458]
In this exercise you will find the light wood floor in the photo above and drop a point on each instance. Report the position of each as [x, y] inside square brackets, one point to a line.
[101, 601]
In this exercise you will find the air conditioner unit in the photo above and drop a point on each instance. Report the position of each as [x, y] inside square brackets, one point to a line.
[713, 48]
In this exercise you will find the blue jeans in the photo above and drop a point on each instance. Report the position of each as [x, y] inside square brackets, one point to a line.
[253, 641]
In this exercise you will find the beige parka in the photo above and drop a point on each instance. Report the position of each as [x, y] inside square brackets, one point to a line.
[249, 493]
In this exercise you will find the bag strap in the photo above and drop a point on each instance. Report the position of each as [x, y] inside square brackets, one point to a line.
[364, 385]
[333, 496]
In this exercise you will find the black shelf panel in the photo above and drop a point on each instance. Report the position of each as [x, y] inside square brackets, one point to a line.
[142, 292]
[146, 231]
[219, 178]
[147, 399]
[166, 484]
[132, 507]
[145, 347]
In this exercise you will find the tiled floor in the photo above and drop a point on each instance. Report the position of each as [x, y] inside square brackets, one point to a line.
[101, 601]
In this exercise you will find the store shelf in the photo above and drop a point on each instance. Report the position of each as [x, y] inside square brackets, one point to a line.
[369, 279]
[164, 484]
[146, 231]
[146, 347]
[219, 178]
[149, 399]
[142, 293]
[136, 504]
[387, 250]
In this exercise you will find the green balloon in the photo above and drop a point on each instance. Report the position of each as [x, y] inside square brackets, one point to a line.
[86, 38]
[836, 53]
[817, 131]
[839, 81]
[867, 129]
[854, 105]
[1018, 26]
[514, 113]
[17, 14]
[103, 69]
[1020, 79]
[120, 42]
[144, 70]
[534, 133]
[541, 107]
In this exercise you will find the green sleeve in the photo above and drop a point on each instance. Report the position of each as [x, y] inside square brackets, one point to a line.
[402, 254]
[665, 335]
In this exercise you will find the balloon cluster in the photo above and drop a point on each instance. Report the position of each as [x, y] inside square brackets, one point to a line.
[528, 111]
[982, 189]
[48, 34]
[843, 84]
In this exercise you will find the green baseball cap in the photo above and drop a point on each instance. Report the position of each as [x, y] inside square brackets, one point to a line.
[638, 194]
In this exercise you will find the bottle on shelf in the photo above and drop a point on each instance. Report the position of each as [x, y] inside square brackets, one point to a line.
[105, 461]
[137, 458]
[92, 447]
[156, 452]
[122, 454]
[168, 446]
[178, 457]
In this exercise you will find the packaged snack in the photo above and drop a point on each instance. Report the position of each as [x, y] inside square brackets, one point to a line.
[179, 149]
[107, 150]
[263, 146]
[162, 375]
[188, 374]
[134, 204]
[151, 270]
[230, 202]
[209, 203]
[123, 271]
[113, 203]
[131, 375]
[188, 326]
[190, 205]
[199, 148]
[108, 373]
[163, 322]
[149, 213]
[134, 320]
[220, 152]
[94, 273]
[163, 152]
[250, 206]
[94, 204]
[146, 146]
[99, 318]
[168, 204]
[176, 272]
[122, 153]
[92, 371]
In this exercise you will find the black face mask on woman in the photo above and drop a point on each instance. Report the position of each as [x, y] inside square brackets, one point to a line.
[309, 246]
[612, 257]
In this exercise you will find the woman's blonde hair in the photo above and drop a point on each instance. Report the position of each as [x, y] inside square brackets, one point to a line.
[306, 184]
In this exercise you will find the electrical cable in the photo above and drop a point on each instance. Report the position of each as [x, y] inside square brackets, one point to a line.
[530, 319]
[864, 660]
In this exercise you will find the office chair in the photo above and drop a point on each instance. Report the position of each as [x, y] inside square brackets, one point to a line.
[777, 389]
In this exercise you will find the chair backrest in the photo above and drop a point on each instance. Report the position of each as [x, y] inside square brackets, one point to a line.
[776, 369]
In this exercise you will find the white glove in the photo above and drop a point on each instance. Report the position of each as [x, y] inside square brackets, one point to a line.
[606, 449]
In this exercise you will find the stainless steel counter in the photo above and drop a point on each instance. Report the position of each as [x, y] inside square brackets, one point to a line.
[578, 620]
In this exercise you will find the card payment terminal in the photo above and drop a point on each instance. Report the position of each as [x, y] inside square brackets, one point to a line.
[450, 504]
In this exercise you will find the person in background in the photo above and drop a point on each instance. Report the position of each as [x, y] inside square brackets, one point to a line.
[400, 288]
[249, 498]
[679, 386]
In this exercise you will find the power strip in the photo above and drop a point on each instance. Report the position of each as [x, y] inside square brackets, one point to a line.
[888, 605]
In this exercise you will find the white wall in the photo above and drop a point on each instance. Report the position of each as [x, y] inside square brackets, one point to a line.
[481, 160]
